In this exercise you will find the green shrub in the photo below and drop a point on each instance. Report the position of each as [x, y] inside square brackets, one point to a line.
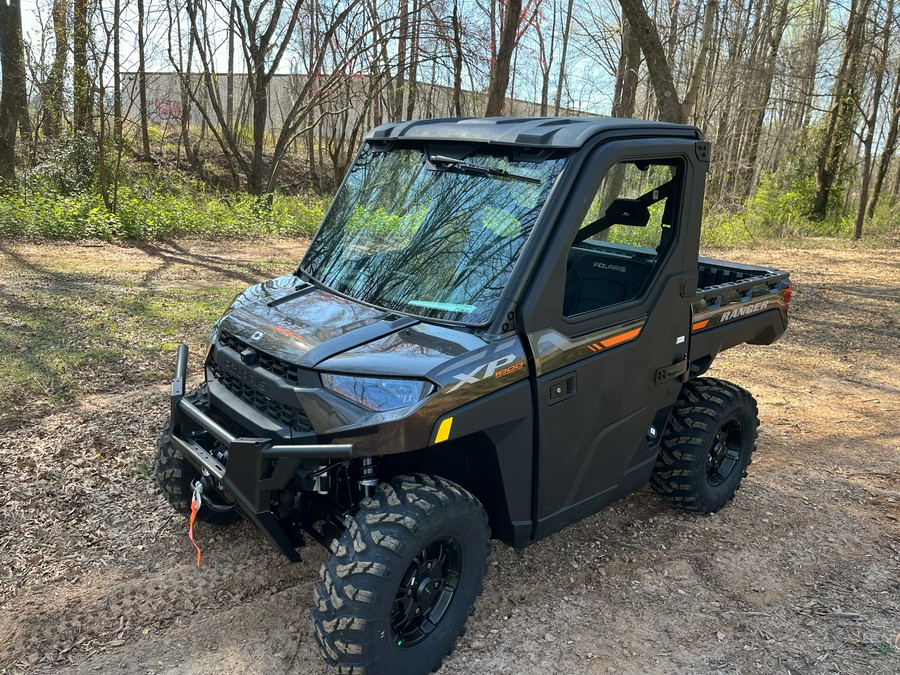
[72, 167]
[886, 219]
[781, 206]
[144, 211]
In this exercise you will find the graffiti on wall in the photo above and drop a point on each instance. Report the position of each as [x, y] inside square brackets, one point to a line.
[167, 109]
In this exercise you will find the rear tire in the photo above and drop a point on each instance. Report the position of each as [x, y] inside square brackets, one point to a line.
[707, 445]
[174, 475]
[397, 593]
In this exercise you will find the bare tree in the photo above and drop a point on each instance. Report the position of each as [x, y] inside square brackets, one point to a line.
[567, 26]
[402, 38]
[54, 99]
[871, 118]
[13, 98]
[81, 78]
[843, 114]
[142, 79]
[500, 70]
[670, 106]
[709, 19]
[117, 71]
[627, 74]
[889, 149]
[457, 61]
[545, 58]
[265, 37]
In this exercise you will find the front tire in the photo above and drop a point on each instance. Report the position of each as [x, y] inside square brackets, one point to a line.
[707, 445]
[403, 580]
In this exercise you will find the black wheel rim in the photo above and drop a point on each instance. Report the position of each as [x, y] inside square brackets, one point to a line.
[725, 453]
[426, 591]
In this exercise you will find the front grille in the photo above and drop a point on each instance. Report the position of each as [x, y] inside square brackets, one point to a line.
[292, 416]
[286, 371]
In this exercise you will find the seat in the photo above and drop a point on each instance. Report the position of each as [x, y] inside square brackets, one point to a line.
[595, 280]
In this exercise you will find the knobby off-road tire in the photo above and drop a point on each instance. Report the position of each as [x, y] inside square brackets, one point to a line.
[707, 445]
[420, 542]
[174, 476]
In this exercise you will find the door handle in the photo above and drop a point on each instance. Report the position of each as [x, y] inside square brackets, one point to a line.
[562, 388]
[666, 373]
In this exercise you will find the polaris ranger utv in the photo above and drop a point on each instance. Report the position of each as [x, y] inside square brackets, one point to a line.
[499, 328]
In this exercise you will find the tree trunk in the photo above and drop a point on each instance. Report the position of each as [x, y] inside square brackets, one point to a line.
[413, 60]
[890, 147]
[54, 100]
[229, 85]
[871, 120]
[12, 88]
[142, 81]
[670, 108]
[457, 62]
[757, 115]
[672, 38]
[709, 21]
[102, 177]
[500, 72]
[81, 79]
[117, 74]
[843, 114]
[546, 61]
[627, 74]
[567, 26]
[810, 67]
[400, 81]
[186, 86]
[259, 88]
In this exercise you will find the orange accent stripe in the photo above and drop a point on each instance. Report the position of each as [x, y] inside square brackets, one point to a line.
[700, 325]
[621, 337]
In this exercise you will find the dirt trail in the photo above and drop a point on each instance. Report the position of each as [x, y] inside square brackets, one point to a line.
[800, 574]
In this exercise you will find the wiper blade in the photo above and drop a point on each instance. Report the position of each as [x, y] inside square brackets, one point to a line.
[468, 167]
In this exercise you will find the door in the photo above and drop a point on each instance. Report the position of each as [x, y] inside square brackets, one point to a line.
[611, 352]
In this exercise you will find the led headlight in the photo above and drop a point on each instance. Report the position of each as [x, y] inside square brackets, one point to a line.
[213, 333]
[378, 394]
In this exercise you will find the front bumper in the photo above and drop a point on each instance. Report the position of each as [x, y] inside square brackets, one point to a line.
[256, 467]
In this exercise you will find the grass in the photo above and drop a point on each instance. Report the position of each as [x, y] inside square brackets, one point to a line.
[56, 340]
[68, 334]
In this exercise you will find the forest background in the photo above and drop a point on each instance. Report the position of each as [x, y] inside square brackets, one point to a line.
[145, 119]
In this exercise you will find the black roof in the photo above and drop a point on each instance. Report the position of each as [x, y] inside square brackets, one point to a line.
[547, 132]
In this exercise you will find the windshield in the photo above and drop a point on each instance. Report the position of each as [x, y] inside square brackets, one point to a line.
[430, 239]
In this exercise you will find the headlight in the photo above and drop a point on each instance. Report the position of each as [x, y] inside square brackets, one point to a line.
[213, 332]
[377, 394]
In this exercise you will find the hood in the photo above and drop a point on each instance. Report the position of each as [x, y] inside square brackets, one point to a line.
[313, 328]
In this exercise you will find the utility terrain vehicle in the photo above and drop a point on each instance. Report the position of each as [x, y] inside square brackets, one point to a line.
[500, 327]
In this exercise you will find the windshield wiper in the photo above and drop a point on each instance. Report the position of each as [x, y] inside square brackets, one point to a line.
[468, 167]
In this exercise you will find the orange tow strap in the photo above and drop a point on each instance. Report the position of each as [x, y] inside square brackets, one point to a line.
[196, 501]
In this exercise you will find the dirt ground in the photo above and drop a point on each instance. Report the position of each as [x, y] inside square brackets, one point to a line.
[800, 574]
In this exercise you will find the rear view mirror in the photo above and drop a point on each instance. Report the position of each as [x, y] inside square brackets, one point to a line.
[631, 212]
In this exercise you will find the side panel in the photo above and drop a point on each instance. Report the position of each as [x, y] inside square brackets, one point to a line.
[595, 444]
[489, 452]
[756, 314]
[602, 393]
